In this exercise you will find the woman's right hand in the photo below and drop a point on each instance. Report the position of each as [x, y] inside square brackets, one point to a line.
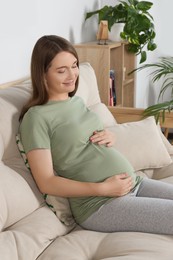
[118, 185]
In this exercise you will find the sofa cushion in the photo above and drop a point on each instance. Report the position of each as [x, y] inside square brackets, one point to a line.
[163, 172]
[142, 144]
[104, 114]
[61, 207]
[167, 144]
[1, 147]
[17, 197]
[30, 236]
[88, 89]
[11, 102]
[80, 245]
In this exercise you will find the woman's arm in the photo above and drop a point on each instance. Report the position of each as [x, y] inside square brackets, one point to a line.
[40, 162]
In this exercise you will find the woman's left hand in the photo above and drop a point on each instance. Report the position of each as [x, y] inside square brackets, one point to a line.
[103, 137]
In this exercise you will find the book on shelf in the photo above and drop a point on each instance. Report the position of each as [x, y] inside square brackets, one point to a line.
[112, 100]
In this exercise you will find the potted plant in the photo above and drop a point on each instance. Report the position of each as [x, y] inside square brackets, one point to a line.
[161, 70]
[138, 24]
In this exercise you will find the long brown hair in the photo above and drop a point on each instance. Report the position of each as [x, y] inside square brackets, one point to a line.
[45, 49]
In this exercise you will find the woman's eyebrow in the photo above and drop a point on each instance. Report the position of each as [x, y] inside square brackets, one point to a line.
[62, 67]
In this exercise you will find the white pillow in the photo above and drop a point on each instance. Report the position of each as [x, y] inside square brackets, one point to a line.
[104, 114]
[60, 206]
[142, 144]
[88, 89]
[167, 144]
[17, 197]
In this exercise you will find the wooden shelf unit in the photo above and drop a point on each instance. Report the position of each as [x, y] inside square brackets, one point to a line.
[114, 56]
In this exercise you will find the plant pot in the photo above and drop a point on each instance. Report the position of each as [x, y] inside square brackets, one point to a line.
[114, 34]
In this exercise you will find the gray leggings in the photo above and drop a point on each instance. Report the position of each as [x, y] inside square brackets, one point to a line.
[150, 210]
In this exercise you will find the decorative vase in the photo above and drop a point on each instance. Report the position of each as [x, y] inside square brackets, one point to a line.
[114, 34]
[102, 33]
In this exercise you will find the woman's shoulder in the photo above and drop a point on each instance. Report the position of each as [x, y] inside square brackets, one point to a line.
[35, 118]
[35, 113]
[78, 98]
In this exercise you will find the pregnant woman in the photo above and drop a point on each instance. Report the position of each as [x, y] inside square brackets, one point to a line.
[61, 135]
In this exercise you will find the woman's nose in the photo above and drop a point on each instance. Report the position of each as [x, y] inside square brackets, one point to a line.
[71, 73]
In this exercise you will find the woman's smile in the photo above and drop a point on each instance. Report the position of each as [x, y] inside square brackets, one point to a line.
[70, 83]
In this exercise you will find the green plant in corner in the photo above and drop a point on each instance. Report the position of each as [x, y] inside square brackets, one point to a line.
[138, 30]
[163, 69]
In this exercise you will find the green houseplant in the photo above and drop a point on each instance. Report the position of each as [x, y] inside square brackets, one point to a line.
[161, 70]
[138, 24]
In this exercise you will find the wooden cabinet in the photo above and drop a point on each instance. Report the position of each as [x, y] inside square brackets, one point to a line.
[113, 56]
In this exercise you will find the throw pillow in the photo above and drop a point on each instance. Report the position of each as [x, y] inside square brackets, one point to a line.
[60, 206]
[167, 144]
[141, 144]
[104, 114]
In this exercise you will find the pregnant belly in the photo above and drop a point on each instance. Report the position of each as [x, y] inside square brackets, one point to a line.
[98, 163]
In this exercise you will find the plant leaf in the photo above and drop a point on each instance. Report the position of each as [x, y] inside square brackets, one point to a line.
[158, 110]
[151, 46]
[89, 14]
[143, 56]
[144, 5]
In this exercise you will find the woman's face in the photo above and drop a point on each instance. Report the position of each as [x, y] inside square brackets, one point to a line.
[61, 76]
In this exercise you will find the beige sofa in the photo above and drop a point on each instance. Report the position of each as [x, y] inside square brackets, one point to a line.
[29, 229]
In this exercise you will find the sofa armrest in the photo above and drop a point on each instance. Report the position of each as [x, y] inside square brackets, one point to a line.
[129, 114]
[13, 83]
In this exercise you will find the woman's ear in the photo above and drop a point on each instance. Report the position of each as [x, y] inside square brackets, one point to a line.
[45, 79]
[45, 82]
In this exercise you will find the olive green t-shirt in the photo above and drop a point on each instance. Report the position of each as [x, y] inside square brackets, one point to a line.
[65, 127]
